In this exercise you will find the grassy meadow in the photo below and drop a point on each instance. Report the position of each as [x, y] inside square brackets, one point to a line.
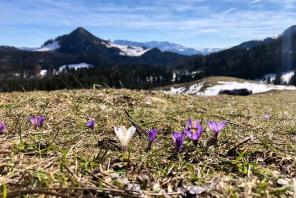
[254, 157]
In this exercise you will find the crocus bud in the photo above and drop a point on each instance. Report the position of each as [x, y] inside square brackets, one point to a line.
[2, 128]
[178, 138]
[151, 138]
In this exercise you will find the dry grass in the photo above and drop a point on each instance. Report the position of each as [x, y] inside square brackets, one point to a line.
[65, 159]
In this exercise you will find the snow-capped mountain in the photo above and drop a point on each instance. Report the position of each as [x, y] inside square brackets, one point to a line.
[81, 46]
[123, 48]
[127, 50]
[207, 51]
[168, 47]
[86, 41]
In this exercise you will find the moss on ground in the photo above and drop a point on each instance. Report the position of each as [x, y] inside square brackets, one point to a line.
[254, 157]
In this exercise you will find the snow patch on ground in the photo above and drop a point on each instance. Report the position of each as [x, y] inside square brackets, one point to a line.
[180, 90]
[193, 89]
[127, 50]
[269, 77]
[223, 85]
[286, 76]
[43, 72]
[75, 66]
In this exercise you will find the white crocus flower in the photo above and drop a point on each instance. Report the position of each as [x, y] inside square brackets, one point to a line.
[124, 135]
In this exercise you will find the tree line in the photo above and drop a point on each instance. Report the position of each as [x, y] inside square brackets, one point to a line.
[128, 76]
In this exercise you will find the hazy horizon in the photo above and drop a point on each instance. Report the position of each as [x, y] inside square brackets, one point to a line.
[192, 23]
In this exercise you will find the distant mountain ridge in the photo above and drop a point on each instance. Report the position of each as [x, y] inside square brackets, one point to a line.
[254, 43]
[128, 48]
[251, 59]
[169, 47]
[81, 46]
[82, 41]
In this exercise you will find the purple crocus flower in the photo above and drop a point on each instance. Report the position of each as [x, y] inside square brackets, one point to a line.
[217, 127]
[37, 121]
[151, 137]
[91, 124]
[41, 120]
[193, 130]
[178, 137]
[266, 116]
[2, 128]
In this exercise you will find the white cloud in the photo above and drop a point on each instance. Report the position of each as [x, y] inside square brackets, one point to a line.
[255, 1]
[186, 19]
[229, 10]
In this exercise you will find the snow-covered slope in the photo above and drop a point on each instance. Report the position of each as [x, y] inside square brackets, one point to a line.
[75, 66]
[207, 51]
[214, 90]
[127, 50]
[51, 46]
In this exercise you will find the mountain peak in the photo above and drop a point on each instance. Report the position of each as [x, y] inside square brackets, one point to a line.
[80, 31]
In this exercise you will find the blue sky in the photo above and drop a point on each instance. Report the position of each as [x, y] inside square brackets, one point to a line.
[193, 23]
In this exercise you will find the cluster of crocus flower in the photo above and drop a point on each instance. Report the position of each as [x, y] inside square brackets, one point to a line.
[193, 131]
[37, 121]
[125, 135]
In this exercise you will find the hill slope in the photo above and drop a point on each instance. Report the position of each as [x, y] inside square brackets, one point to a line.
[252, 59]
[254, 156]
[212, 86]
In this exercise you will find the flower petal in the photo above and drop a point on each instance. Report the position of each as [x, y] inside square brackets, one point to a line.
[221, 125]
[129, 134]
[152, 135]
[2, 127]
[120, 132]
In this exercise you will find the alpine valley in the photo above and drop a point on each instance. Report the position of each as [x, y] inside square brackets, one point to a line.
[80, 59]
